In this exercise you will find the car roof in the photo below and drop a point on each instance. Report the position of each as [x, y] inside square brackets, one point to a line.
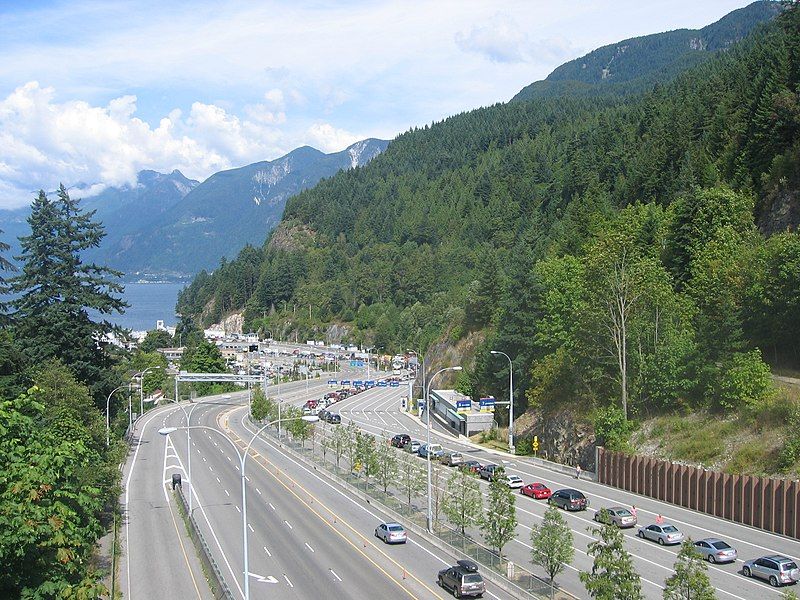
[710, 540]
[570, 491]
[390, 523]
[467, 565]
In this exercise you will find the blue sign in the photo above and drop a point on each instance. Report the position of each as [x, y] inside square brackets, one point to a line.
[332, 382]
[345, 382]
[394, 384]
[370, 383]
[358, 382]
[463, 405]
[381, 384]
[487, 404]
[356, 363]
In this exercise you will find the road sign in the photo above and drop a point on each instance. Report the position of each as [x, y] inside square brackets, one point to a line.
[345, 382]
[463, 406]
[535, 443]
[487, 404]
[356, 363]
[357, 382]
[382, 384]
[394, 384]
[332, 382]
[370, 382]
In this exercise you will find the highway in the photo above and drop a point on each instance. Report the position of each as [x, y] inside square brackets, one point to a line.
[378, 411]
[307, 537]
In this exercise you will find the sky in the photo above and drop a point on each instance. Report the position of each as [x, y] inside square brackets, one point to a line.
[93, 92]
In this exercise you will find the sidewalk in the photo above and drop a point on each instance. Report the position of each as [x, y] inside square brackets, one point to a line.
[507, 456]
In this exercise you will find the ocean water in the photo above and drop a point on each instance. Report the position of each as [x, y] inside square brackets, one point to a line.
[149, 302]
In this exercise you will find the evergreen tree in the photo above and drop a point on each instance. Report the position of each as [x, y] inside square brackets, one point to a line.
[56, 290]
[552, 545]
[613, 576]
[499, 523]
[690, 580]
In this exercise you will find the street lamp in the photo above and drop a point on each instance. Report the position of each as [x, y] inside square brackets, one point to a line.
[242, 477]
[510, 400]
[417, 354]
[428, 442]
[108, 414]
[141, 387]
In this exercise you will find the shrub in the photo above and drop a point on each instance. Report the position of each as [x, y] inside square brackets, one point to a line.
[611, 428]
[745, 382]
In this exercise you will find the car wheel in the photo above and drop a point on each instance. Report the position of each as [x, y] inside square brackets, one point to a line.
[661, 541]
[457, 592]
[641, 534]
[746, 572]
[711, 558]
[773, 581]
[440, 582]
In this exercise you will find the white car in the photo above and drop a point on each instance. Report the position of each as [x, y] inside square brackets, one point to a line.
[391, 533]
[514, 482]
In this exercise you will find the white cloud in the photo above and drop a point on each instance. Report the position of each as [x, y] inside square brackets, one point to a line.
[327, 138]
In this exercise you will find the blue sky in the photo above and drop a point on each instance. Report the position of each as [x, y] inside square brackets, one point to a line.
[92, 92]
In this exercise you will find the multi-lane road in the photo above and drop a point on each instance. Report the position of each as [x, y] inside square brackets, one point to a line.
[309, 537]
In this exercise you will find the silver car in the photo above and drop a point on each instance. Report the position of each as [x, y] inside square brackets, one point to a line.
[619, 516]
[778, 570]
[663, 534]
[412, 446]
[715, 550]
[391, 533]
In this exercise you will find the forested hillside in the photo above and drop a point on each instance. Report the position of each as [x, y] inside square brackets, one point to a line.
[610, 246]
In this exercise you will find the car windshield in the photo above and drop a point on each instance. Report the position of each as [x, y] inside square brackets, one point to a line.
[472, 578]
[720, 545]
[395, 528]
[788, 566]
[669, 529]
[624, 512]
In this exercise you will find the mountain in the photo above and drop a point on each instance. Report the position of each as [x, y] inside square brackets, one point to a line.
[122, 210]
[229, 210]
[634, 64]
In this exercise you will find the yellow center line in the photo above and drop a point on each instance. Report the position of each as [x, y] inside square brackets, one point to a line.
[337, 518]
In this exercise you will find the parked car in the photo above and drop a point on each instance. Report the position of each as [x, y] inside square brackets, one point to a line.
[452, 459]
[400, 440]
[568, 499]
[412, 446]
[514, 481]
[473, 466]
[778, 570]
[536, 490]
[323, 415]
[334, 418]
[435, 451]
[391, 533]
[715, 550]
[620, 516]
[663, 534]
[462, 579]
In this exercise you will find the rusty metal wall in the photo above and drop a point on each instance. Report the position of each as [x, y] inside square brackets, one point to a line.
[766, 503]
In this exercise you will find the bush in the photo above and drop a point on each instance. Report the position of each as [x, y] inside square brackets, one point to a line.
[745, 382]
[611, 428]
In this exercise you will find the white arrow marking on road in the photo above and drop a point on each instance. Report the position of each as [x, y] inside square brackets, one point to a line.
[263, 579]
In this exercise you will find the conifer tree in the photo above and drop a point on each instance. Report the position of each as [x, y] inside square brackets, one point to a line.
[56, 289]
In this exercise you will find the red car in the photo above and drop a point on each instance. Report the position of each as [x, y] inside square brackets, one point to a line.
[536, 490]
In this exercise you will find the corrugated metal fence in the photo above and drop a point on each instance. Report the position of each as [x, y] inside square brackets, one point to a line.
[771, 504]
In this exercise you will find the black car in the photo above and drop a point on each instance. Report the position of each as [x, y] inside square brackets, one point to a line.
[334, 418]
[323, 415]
[568, 499]
[462, 579]
[488, 471]
[400, 440]
[473, 466]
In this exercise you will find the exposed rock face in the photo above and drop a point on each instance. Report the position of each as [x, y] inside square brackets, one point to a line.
[781, 212]
[230, 324]
[563, 436]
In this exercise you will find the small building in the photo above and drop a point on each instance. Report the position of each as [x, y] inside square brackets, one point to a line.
[460, 412]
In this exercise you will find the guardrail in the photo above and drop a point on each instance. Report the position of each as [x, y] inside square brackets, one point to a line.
[501, 572]
[217, 583]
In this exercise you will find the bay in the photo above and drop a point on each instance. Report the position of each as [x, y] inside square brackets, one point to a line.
[149, 302]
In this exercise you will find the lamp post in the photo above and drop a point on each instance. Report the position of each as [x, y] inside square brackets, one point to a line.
[428, 439]
[141, 387]
[423, 374]
[242, 457]
[510, 400]
[108, 414]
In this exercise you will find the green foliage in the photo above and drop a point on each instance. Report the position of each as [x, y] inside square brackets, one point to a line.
[156, 339]
[690, 580]
[56, 290]
[205, 357]
[411, 477]
[611, 428]
[613, 576]
[463, 502]
[745, 382]
[386, 471]
[552, 545]
[261, 407]
[499, 522]
[790, 453]
[339, 441]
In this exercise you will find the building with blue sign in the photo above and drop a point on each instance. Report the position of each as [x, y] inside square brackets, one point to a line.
[460, 413]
